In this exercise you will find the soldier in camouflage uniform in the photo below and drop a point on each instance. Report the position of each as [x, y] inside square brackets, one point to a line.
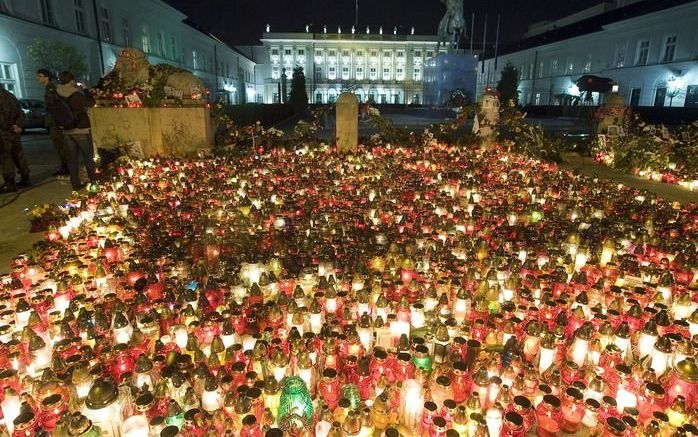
[45, 77]
[11, 155]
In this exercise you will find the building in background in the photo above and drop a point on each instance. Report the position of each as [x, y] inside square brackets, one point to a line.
[100, 29]
[648, 48]
[378, 66]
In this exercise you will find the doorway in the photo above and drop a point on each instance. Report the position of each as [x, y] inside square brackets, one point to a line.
[660, 97]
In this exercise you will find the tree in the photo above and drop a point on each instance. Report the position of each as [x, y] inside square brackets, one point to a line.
[56, 57]
[508, 85]
[298, 97]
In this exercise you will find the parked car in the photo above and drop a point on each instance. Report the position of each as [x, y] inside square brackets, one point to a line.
[34, 113]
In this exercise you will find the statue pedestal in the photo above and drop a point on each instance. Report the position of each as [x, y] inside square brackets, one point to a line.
[447, 73]
[160, 131]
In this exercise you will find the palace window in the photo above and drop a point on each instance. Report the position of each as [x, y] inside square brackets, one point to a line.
[332, 73]
[106, 24]
[145, 40]
[553, 67]
[345, 73]
[643, 52]
[669, 48]
[373, 73]
[417, 74]
[359, 73]
[399, 73]
[47, 11]
[126, 30]
[80, 25]
[587, 64]
[386, 73]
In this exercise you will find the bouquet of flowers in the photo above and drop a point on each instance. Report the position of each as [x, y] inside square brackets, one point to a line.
[44, 216]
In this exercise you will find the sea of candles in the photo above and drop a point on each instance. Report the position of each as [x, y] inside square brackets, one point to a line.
[428, 291]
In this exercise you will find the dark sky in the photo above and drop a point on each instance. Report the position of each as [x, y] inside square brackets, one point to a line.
[243, 21]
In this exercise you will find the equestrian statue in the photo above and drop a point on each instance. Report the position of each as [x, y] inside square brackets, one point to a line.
[452, 24]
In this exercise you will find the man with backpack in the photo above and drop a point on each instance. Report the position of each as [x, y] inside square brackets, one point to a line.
[11, 154]
[70, 113]
[45, 78]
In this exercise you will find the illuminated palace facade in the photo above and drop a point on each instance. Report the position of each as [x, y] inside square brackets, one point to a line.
[384, 67]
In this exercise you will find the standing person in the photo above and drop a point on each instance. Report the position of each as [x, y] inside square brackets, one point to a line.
[45, 78]
[11, 155]
[78, 137]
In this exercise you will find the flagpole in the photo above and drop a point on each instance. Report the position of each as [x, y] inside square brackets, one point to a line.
[496, 45]
[472, 32]
[484, 38]
[356, 19]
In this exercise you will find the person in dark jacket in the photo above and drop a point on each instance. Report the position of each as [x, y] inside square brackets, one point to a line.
[78, 138]
[11, 154]
[45, 78]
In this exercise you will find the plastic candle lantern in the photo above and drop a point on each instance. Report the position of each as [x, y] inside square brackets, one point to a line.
[411, 403]
[580, 346]
[548, 416]
[103, 407]
[683, 381]
[10, 408]
[572, 410]
[625, 396]
[493, 418]
[661, 354]
[547, 354]
[79, 425]
[647, 339]
[135, 426]
[295, 405]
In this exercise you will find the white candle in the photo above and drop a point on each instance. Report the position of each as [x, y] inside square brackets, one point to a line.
[10, 408]
[493, 418]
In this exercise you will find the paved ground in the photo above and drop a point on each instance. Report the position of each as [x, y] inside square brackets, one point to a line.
[589, 167]
[15, 237]
[14, 223]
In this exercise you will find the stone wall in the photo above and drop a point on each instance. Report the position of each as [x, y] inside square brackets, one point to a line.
[160, 131]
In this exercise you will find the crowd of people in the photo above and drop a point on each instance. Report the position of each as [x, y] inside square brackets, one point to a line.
[66, 102]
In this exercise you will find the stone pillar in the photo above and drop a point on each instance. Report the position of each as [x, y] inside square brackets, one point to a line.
[347, 123]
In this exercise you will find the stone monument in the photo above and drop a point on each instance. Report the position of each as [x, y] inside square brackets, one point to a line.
[487, 119]
[347, 123]
[150, 109]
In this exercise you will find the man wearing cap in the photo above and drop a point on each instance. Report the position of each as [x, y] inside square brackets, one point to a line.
[11, 155]
[78, 137]
[45, 78]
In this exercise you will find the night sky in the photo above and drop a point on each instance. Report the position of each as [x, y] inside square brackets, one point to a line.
[243, 21]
